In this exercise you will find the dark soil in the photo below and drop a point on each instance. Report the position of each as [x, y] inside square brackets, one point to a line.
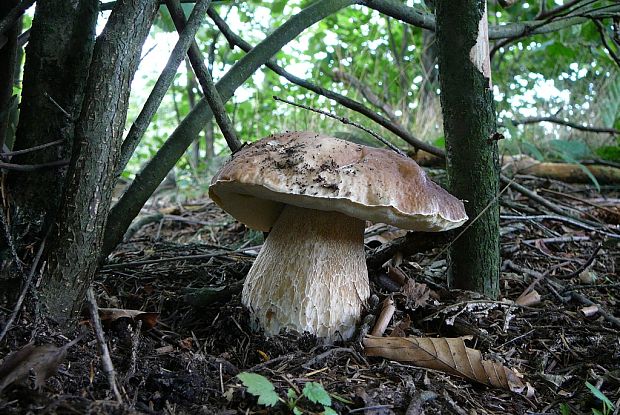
[187, 363]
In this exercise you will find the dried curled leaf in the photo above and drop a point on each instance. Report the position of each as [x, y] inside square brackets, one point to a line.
[449, 355]
[42, 360]
[149, 320]
[417, 294]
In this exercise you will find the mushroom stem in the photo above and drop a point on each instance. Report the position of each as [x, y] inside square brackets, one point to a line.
[310, 274]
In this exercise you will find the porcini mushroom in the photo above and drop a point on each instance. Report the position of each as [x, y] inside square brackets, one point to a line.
[313, 193]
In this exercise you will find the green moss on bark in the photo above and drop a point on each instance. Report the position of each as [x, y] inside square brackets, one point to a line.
[472, 158]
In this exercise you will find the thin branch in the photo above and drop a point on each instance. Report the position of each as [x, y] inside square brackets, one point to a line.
[534, 120]
[397, 129]
[543, 14]
[14, 14]
[31, 149]
[162, 85]
[423, 20]
[32, 167]
[108, 367]
[367, 93]
[206, 81]
[601, 31]
[344, 121]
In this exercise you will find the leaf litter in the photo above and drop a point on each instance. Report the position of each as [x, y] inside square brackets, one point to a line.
[547, 341]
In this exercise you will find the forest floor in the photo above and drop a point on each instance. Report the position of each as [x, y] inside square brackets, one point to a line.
[184, 359]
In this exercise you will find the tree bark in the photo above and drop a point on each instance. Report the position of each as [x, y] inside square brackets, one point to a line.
[472, 156]
[74, 249]
[58, 55]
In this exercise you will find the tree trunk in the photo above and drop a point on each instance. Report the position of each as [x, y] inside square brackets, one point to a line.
[58, 55]
[76, 243]
[472, 156]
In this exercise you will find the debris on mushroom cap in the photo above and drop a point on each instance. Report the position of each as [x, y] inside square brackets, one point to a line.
[319, 172]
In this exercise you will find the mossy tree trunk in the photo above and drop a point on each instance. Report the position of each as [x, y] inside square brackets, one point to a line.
[58, 55]
[72, 257]
[472, 156]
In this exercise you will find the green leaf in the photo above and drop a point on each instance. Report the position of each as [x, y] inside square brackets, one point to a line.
[316, 393]
[596, 412]
[600, 395]
[260, 386]
[611, 153]
[583, 168]
[564, 409]
[535, 152]
[278, 6]
[297, 411]
[329, 411]
[440, 142]
[572, 148]
[291, 394]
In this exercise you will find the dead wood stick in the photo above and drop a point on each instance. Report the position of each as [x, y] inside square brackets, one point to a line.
[584, 266]
[387, 311]
[108, 367]
[561, 218]
[177, 258]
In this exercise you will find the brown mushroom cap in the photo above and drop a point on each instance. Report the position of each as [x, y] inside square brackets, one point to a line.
[319, 172]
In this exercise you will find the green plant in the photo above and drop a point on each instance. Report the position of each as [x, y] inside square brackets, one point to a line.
[262, 387]
[608, 405]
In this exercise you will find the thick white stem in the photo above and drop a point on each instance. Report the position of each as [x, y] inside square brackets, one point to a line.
[310, 275]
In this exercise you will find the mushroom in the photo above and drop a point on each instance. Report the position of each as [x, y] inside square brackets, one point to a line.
[313, 193]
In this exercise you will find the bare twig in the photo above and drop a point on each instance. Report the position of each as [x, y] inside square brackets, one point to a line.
[32, 167]
[555, 120]
[31, 149]
[344, 120]
[584, 266]
[179, 258]
[25, 288]
[108, 367]
[206, 81]
[366, 93]
[560, 218]
[387, 311]
[601, 31]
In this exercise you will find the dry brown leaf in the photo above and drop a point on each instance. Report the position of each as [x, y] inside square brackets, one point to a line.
[42, 360]
[417, 294]
[108, 315]
[449, 355]
[401, 328]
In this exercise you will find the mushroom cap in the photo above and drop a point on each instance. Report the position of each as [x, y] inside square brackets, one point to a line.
[319, 172]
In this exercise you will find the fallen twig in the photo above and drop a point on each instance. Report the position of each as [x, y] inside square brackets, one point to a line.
[108, 367]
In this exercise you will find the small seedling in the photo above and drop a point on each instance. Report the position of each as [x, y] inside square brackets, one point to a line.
[608, 405]
[262, 387]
